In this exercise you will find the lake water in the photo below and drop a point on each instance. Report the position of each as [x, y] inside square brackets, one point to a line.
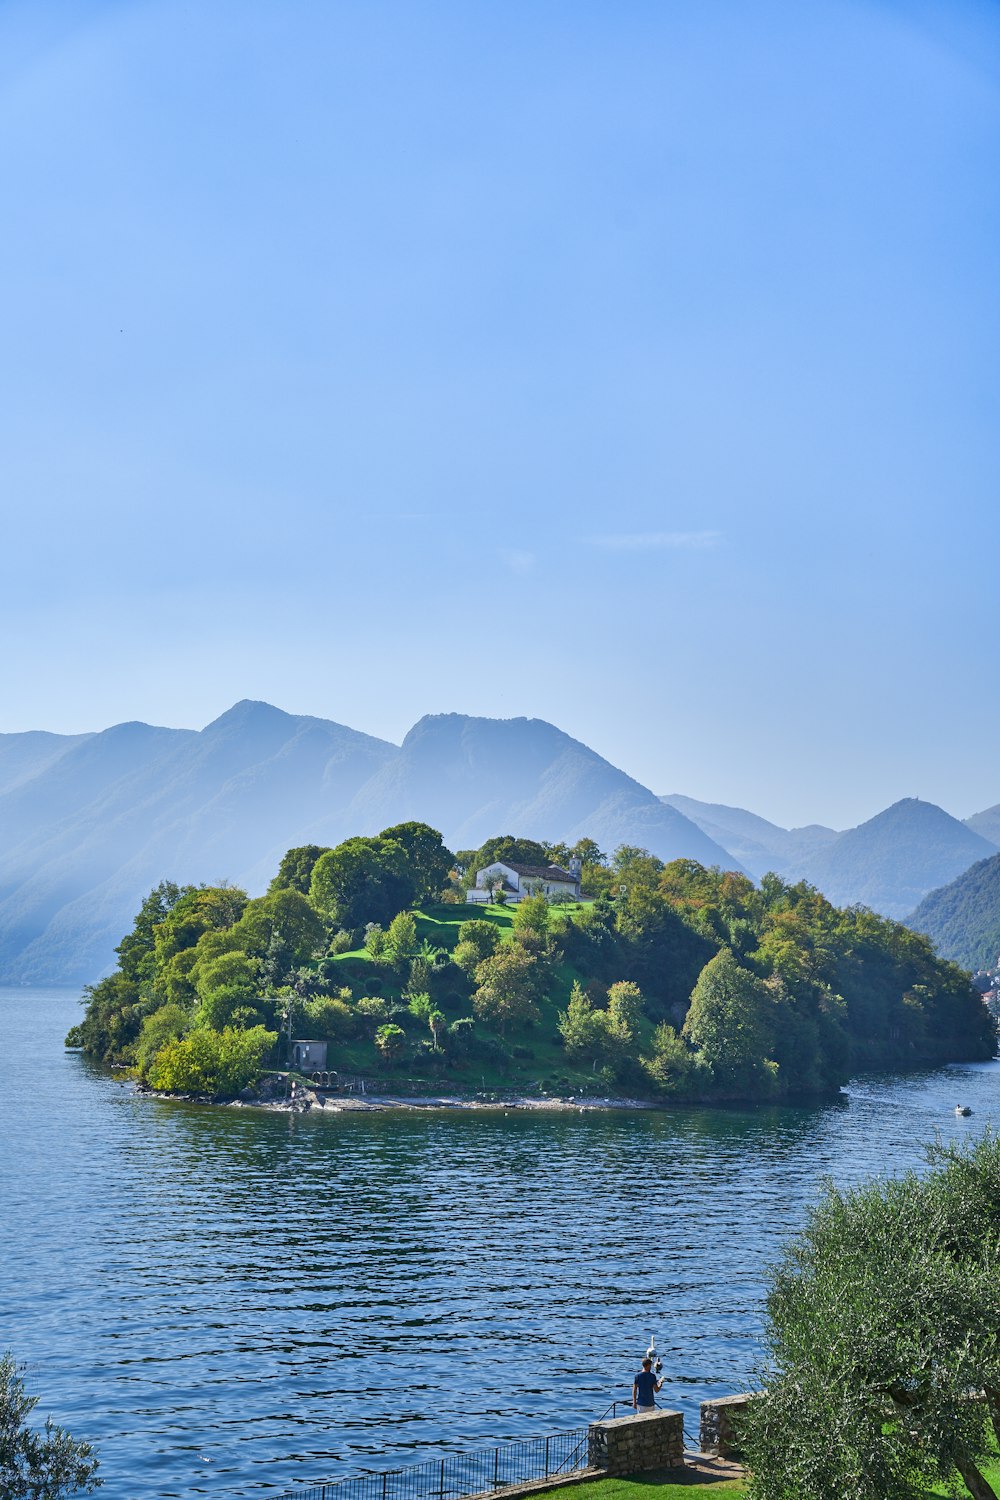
[229, 1302]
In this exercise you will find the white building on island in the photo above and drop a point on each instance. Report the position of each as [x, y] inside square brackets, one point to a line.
[518, 881]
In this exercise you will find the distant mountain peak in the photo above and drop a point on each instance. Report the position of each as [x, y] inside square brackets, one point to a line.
[249, 711]
[892, 860]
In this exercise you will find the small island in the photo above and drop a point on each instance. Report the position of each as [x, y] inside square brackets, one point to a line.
[422, 972]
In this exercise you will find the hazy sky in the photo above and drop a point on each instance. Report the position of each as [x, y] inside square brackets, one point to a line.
[631, 365]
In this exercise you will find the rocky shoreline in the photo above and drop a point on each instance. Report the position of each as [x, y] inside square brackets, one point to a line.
[274, 1099]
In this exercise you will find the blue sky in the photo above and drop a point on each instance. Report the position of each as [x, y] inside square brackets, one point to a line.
[629, 365]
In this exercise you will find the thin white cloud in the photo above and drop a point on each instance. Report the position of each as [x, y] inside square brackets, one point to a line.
[645, 541]
[518, 562]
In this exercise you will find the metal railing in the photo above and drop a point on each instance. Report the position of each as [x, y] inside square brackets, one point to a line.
[457, 1475]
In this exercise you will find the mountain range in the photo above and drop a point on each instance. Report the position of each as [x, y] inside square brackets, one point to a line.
[89, 823]
[888, 863]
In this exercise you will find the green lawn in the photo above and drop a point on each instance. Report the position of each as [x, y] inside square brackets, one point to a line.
[655, 1486]
[665, 1486]
[545, 1070]
[439, 923]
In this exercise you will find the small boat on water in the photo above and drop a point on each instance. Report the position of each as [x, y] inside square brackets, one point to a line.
[962, 1109]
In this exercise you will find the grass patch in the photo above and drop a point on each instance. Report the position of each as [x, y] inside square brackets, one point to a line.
[545, 1069]
[665, 1485]
[658, 1485]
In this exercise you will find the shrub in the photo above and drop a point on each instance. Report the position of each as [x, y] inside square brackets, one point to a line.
[163, 1026]
[420, 1006]
[402, 936]
[532, 915]
[420, 976]
[373, 1012]
[462, 1035]
[389, 1040]
[484, 937]
[219, 1063]
[330, 1018]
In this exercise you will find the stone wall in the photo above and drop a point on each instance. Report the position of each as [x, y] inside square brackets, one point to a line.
[719, 1425]
[631, 1445]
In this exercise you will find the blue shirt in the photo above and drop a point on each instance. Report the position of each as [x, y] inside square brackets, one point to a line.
[645, 1387]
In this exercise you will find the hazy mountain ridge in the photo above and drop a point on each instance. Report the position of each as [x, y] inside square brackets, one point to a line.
[92, 823]
[554, 787]
[986, 824]
[889, 862]
[893, 860]
[759, 846]
[89, 823]
[135, 805]
[963, 919]
[24, 755]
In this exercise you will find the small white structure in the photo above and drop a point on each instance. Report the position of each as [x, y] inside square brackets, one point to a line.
[518, 881]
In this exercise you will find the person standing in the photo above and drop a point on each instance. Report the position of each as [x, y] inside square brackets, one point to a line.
[644, 1388]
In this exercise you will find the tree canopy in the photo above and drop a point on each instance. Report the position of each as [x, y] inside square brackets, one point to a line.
[427, 860]
[38, 1465]
[883, 1375]
[362, 880]
[677, 980]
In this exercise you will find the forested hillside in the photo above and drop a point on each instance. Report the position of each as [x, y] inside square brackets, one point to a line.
[963, 919]
[675, 981]
[757, 844]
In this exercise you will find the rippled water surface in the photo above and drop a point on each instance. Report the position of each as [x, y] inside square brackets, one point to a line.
[227, 1301]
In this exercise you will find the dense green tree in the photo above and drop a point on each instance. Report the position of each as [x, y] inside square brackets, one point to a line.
[136, 951]
[419, 977]
[283, 926]
[402, 936]
[110, 1026]
[228, 989]
[330, 1017]
[635, 867]
[38, 1465]
[477, 939]
[532, 914]
[428, 861]
[419, 1005]
[214, 1063]
[583, 1029]
[362, 880]
[197, 910]
[295, 870]
[390, 1040]
[670, 1065]
[625, 1007]
[508, 986]
[731, 1023]
[883, 1377]
[164, 1025]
